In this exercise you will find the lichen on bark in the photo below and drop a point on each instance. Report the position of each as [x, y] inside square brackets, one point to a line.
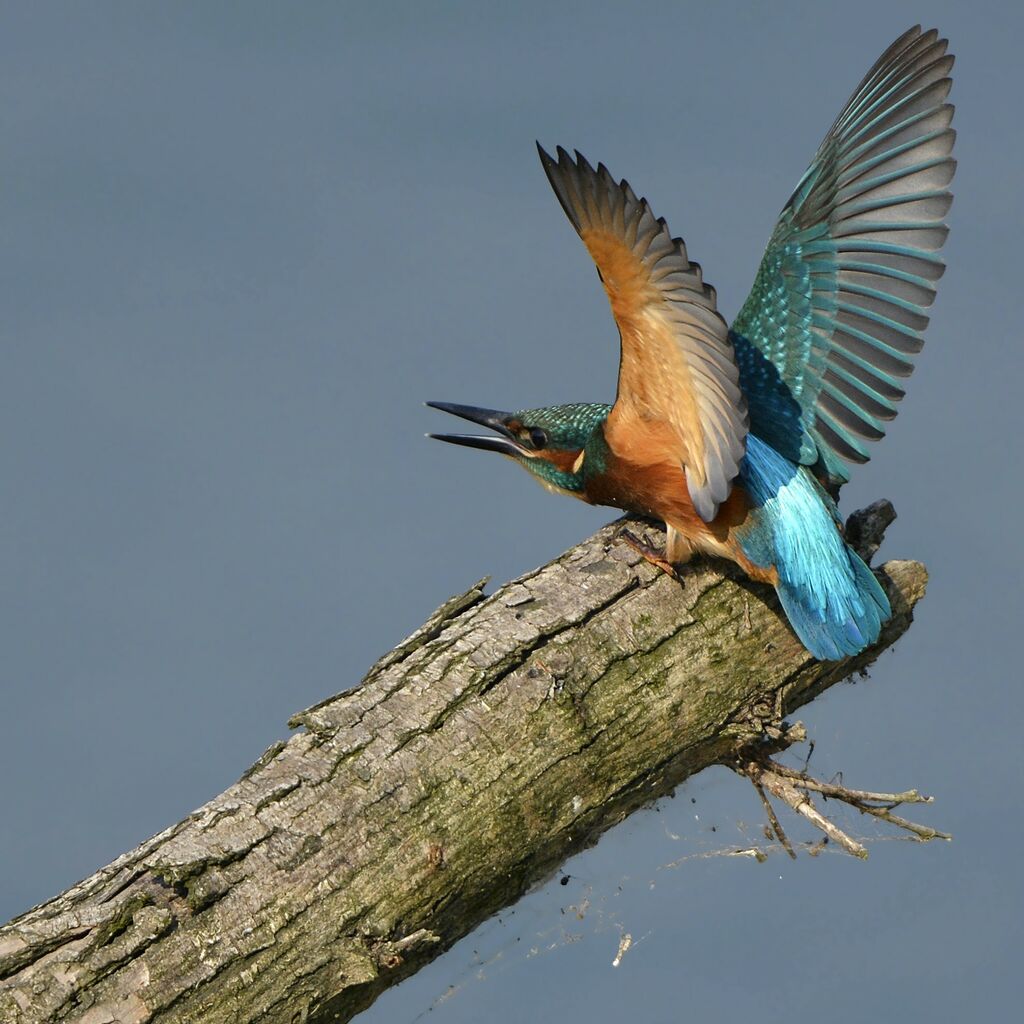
[506, 734]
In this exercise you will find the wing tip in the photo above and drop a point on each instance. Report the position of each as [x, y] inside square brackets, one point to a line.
[704, 503]
[560, 173]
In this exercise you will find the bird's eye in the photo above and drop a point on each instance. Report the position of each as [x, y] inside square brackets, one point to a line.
[538, 438]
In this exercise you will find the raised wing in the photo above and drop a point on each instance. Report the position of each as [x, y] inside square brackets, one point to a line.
[677, 365]
[838, 305]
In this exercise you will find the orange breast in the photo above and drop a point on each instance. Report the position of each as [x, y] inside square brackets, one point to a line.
[645, 474]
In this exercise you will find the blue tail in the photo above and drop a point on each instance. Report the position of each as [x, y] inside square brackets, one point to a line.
[832, 599]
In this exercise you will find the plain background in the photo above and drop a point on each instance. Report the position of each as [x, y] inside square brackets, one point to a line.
[243, 243]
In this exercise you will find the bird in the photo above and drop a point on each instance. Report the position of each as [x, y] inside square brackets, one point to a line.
[739, 436]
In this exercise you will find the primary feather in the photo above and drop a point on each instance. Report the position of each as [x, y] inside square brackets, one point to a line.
[677, 365]
[731, 436]
[837, 309]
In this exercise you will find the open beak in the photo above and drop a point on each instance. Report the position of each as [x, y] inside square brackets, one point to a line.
[505, 443]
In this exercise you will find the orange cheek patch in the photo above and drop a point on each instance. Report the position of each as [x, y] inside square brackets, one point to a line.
[563, 461]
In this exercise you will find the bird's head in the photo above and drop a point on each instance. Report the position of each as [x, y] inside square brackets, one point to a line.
[551, 443]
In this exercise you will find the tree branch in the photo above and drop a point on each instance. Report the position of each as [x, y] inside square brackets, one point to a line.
[506, 734]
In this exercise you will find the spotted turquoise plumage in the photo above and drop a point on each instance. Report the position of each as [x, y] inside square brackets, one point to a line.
[837, 309]
[767, 414]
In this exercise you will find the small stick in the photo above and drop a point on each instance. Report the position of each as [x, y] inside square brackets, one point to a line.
[774, 821]
[801, 803]
[802, 781]
[863, 799]
[794, 788]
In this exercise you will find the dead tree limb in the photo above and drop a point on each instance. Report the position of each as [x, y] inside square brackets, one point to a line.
[506, 734]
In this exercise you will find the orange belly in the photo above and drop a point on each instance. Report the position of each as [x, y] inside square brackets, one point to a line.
[646, 476]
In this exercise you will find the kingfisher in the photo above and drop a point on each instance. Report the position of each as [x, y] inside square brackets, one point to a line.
[739, 437]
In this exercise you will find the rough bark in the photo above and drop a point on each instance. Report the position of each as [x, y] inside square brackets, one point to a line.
[507, 733]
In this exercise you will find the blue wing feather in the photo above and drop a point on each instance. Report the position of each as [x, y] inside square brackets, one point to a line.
[838, 304]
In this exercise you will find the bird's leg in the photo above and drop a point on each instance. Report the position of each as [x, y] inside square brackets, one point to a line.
[650, 553]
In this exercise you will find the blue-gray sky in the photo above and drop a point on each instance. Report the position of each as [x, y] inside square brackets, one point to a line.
[243, 243]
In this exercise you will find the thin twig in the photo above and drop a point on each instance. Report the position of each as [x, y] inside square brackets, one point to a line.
[765, 775]
[774, 821]
[804, 781]
[863, 800]
[923, 832]
[794, 789]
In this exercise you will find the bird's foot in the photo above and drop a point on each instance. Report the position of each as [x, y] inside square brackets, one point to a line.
[650, 553]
